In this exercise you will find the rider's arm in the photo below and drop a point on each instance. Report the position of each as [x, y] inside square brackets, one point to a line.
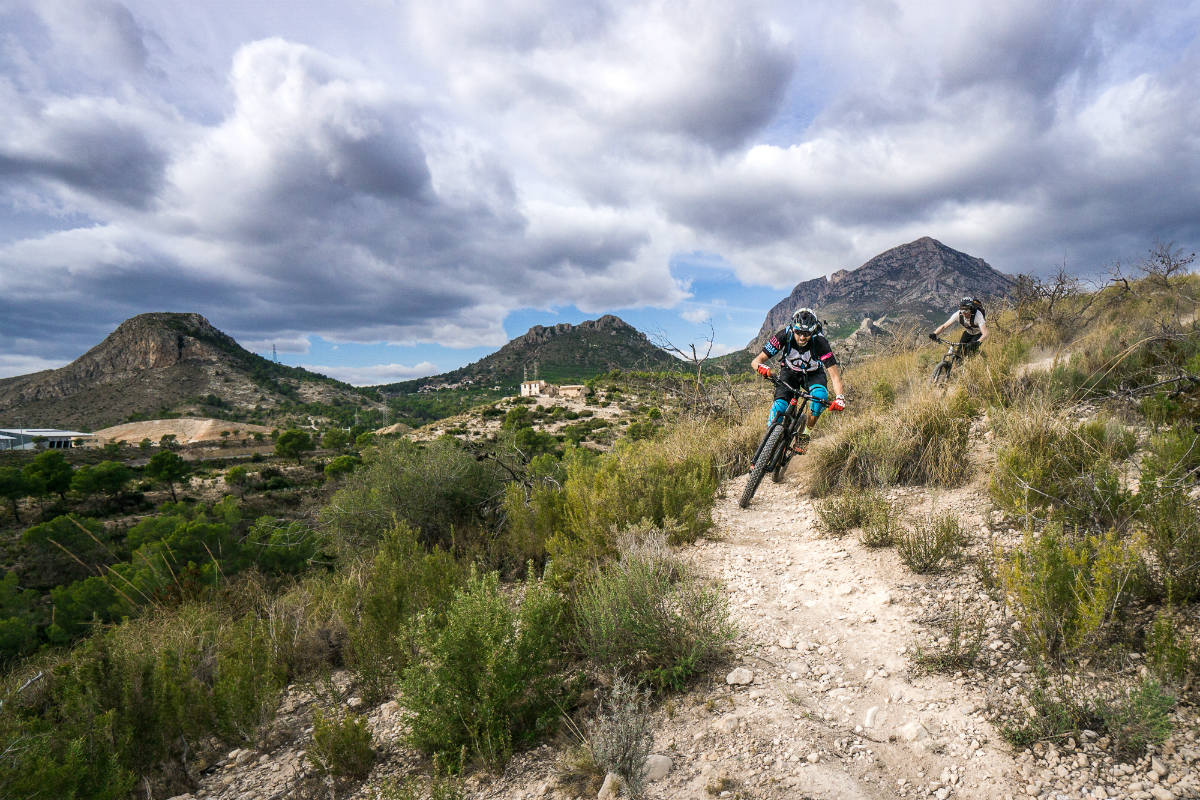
[835, 377]
[758, 359]
[982, 327]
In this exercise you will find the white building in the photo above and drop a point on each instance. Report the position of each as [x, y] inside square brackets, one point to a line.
[48, 438]
[534, 388]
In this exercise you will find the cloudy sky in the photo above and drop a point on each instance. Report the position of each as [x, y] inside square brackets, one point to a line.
[384, 189]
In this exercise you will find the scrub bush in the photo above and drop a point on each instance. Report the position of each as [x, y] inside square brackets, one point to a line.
[646, 615]
[439, 489]
[930, 542]
[1048, 470]
[385, 600]
[341, 745]
[850, 509]
[621, 736]
[1069, 593]
[492, 677]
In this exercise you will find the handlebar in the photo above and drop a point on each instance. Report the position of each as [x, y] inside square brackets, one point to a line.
[940, 340]
[773, 378]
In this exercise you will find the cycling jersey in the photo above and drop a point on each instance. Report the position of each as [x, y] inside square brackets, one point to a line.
[809, 358]
[974, 325]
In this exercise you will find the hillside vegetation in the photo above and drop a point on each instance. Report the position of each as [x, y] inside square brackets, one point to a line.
[500, 586]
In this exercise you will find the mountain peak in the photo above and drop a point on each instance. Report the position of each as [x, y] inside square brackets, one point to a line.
[559, 352]
[156, 362]
[922, 278]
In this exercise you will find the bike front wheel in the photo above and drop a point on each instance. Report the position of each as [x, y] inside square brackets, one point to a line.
[763, 464]
[941, 374]
[786, 452]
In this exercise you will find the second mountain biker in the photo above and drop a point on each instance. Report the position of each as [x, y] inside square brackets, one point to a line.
[805, 360]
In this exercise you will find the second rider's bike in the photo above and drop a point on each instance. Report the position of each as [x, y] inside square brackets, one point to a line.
[779, 443]
[954, 355]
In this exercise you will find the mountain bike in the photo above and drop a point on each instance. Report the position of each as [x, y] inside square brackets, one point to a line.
[778, 444]
[954, 355]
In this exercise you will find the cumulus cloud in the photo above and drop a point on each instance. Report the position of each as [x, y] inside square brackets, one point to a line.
[415, 174]
[375, 374]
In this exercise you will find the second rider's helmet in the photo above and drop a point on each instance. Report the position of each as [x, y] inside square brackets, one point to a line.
[805, 321]
[966, 304]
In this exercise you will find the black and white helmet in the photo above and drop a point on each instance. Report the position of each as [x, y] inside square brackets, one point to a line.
[805, 321]
[966, 304]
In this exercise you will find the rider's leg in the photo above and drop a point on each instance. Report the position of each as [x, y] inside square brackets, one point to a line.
[970, 343]
[820, 393]
[782, 396]
[817, 390]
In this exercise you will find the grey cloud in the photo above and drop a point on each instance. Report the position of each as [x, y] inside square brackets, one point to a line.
[103, 158]
[738, 86]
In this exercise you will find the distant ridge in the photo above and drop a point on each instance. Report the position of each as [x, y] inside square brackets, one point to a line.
[562, 353]
[157, 364]
[922, 279]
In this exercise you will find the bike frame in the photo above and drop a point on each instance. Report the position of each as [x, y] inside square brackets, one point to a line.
[953, 352]
[789, 417]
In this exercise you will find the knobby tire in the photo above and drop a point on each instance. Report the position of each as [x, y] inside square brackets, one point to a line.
[941, 374]
[765, 461]
[785, 456]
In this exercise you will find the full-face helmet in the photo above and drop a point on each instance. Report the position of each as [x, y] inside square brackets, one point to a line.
[806, 322]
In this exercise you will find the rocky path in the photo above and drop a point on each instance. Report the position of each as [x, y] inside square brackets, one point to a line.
[824, 703]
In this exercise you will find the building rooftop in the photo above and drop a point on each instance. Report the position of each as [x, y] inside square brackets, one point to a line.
[42, 432]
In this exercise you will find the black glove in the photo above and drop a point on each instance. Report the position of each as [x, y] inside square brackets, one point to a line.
[933, 336]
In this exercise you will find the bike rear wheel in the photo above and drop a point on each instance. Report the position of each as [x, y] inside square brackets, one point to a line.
[764, 463]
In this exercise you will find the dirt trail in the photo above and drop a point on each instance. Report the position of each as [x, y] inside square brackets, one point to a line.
[833, 709]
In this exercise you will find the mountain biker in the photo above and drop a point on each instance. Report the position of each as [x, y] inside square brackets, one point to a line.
[805, 359]
[970, 315]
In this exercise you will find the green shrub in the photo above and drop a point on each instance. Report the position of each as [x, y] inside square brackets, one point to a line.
[491, 678]
[532, 515]
[622, 734]
[65, 549]
[641, 480]
[385, 599]
[1170, 516]
[282, 546]
[440, 489]
[1047, 470]
[1136, 718]
[850, 509]
[1171, 652]
[647, 616]
[882, 527]
[238, 477]
[129, 699]
[1053, 713]
[341, 745]
[342, 465]
[930, 542]
[1070, 594]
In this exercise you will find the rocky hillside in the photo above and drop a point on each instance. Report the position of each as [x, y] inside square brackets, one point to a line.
[160, 363]
[922, 279]
[563, 353]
